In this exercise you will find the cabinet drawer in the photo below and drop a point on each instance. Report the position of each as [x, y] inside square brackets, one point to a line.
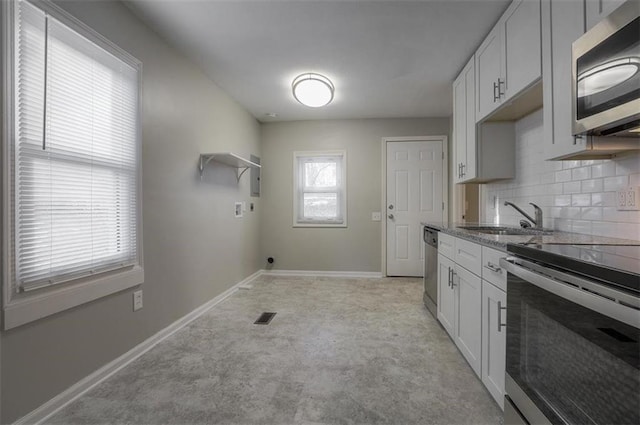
[446, 245]
[491, 270]
[469, 256]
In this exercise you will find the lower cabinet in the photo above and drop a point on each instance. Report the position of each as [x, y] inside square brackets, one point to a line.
[459, 305]
[446, 294]
[472, 308]
[468, 336]
[494, 317]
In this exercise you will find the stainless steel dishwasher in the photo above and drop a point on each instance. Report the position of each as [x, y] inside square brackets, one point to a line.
[430, 296]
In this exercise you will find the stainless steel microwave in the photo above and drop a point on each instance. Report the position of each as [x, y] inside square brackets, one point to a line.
[606, 76]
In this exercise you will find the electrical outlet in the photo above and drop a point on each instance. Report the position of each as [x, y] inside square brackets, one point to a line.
[238, 209]
[137, 300]
[627, 199]
[376, 216]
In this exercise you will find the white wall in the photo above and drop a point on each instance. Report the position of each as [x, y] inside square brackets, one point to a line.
[194, 248]
[576, 196]
[357, 247]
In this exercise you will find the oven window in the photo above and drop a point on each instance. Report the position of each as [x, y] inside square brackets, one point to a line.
[609, 74]
[576, 365]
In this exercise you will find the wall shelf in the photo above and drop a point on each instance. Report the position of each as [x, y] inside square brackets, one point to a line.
[229, 159]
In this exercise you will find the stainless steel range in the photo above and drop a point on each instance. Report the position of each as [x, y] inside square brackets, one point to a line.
[573, 334]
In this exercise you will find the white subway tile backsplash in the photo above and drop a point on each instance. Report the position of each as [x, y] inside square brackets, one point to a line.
[563, 176]
[563, 200]
[576, 196]
[571, 187]
[591, 213]
[594, 185]
[605, 169]
[581, 200]
[615, 183]
[581, 173]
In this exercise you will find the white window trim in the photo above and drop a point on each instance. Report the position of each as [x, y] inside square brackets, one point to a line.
[21, 308]
[296, 198]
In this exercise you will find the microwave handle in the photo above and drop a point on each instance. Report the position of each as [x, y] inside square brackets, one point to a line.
[625, 313]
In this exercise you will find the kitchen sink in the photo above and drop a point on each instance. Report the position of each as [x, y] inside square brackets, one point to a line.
[497, 230]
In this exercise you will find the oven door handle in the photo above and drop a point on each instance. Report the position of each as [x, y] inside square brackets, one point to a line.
[625, 313]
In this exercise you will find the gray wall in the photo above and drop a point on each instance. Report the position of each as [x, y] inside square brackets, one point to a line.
[193, 247]
[357, 247]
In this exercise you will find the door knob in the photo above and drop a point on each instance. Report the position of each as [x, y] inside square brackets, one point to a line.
[390, 216]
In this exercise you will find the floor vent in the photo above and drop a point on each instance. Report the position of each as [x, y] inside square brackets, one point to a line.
[264, 319]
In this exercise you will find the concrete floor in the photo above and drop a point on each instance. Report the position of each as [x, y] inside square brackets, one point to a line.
[339, 351]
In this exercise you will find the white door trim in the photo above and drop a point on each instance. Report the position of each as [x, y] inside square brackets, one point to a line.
[445, 184]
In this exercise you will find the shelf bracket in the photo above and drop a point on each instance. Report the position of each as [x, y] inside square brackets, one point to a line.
[240, 173]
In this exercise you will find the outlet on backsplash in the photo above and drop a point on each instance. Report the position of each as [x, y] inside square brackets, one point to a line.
[627, 198]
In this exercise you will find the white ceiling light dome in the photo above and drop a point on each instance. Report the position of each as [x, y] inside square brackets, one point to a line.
[313, 90]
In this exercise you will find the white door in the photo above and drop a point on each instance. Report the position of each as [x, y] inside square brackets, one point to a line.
[414, 194]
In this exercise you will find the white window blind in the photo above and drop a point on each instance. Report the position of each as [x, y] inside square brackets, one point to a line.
[320, 188]
[76, 149]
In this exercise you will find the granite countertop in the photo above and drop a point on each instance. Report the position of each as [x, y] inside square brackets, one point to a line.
[546, 236]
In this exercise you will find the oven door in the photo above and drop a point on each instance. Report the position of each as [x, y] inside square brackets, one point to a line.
[573, 351]
[606, 74]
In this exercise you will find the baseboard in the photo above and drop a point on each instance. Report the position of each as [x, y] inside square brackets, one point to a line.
[312, 273]
[60, 401]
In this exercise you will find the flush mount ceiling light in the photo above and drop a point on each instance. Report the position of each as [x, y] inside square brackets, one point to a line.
[312, 90]
[607, 75]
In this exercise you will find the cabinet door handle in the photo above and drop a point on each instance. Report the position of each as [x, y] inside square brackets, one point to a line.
[495, 91]
[501, 83]
[453, 282]
[500, 308]
[449, 278]
[493, 267]
[463, 167]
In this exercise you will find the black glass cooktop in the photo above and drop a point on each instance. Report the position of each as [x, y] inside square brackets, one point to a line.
[618, 265]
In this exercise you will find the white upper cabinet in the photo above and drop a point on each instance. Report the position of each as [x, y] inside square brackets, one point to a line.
[521, 44]
[509, 59]
[489, 73]
[562, 23]
[483, 152]
[596, 10]
[464, 122]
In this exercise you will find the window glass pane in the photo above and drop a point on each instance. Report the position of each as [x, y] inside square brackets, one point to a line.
[320, 205]
[320, 174]
[76, 148]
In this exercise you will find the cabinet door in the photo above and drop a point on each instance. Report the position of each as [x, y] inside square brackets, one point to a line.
[494, 340]
[596, 10]
[464, 124]
[468, 324]
[469, 170]
[562, 23]
[446, 295]
[488, 68]
[521, 46]
[459, 125]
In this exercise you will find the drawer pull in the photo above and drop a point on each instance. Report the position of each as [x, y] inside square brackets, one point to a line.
[493, 267]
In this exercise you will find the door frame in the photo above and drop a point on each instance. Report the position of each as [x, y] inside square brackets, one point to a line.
[443, 139]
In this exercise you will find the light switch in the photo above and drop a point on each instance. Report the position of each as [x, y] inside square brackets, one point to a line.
[376, 216]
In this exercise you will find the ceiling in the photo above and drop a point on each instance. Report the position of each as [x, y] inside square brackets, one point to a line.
[386, 59]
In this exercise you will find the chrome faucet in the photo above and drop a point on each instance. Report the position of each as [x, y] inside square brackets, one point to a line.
[537, 222]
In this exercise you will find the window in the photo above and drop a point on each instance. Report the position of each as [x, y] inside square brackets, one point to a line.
[320, 190]
[73, 147]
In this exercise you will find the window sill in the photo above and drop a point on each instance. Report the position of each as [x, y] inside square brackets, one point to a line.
[319, 224]
[25, 308]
